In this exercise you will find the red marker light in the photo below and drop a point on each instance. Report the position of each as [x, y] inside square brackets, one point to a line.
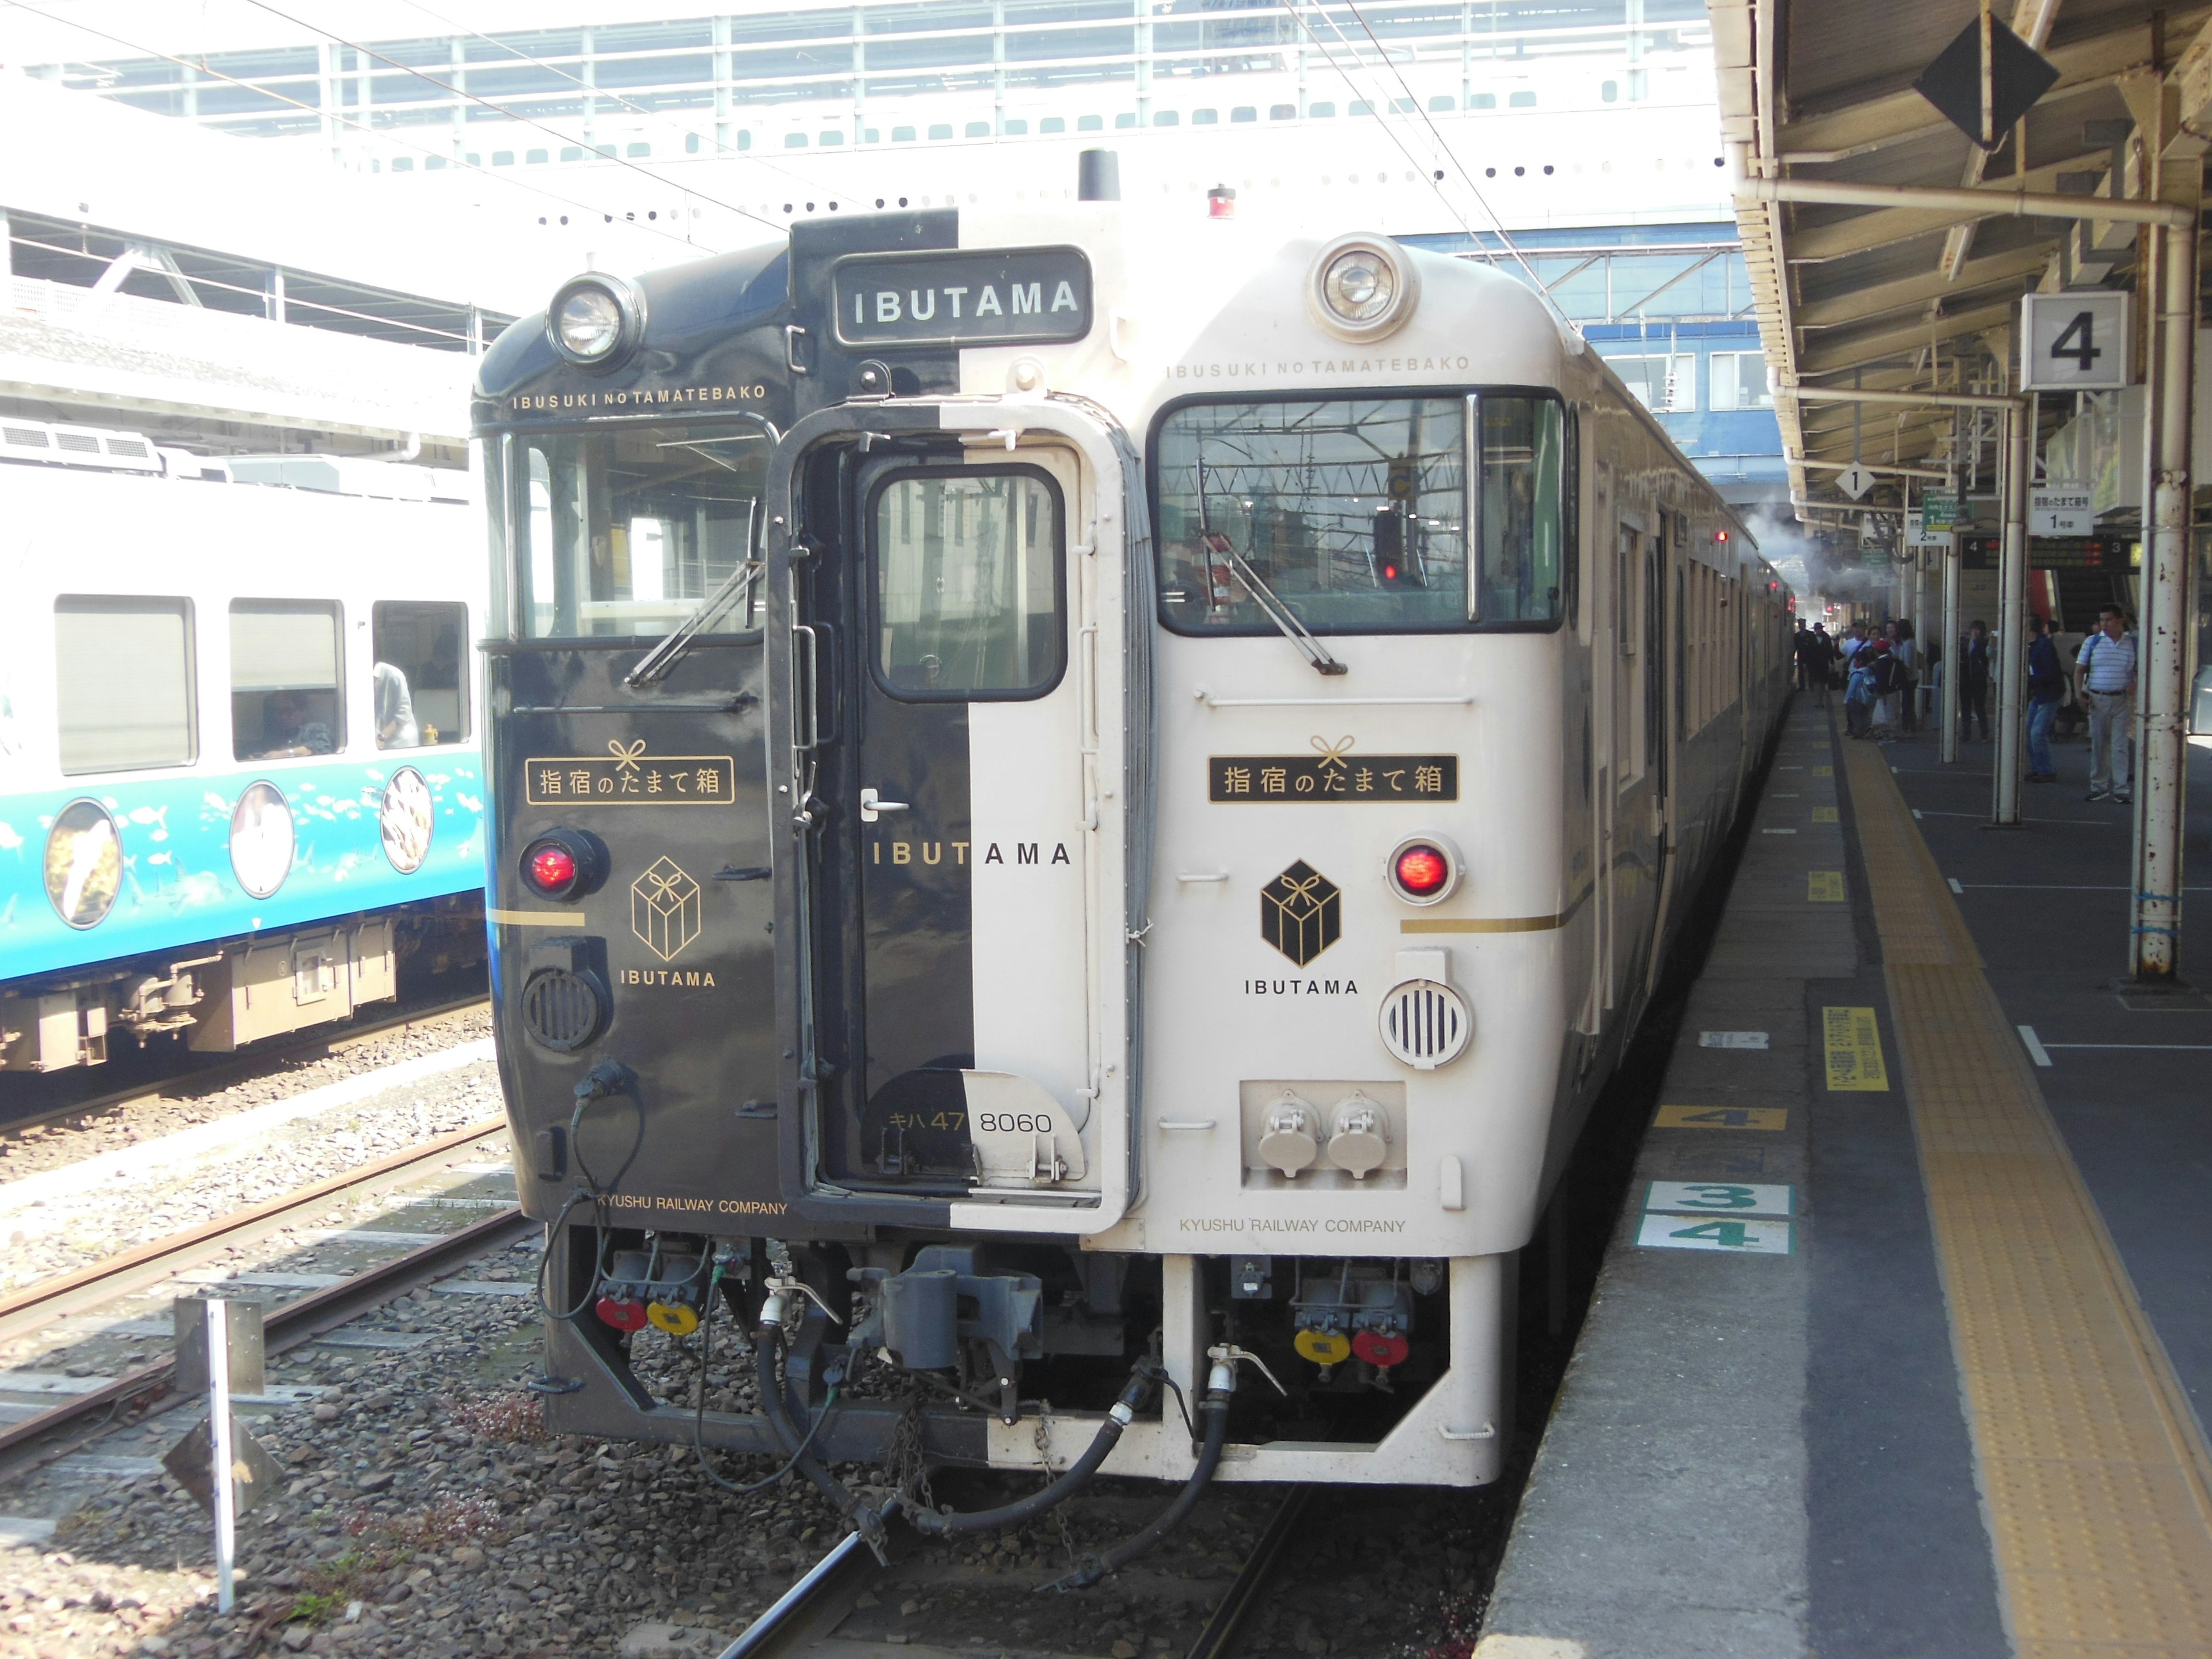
[621, 1313]
[553, 871]
[1421, 871]
[1390, 573]
[1380, 1348]
[1721, 536]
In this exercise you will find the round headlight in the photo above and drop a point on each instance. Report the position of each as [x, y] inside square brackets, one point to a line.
[1362, 287]
[595, 321]
[590, 322]
[1357, 287]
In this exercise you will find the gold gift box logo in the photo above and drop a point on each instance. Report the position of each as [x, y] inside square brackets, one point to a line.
[663, 908]
[1301, 913]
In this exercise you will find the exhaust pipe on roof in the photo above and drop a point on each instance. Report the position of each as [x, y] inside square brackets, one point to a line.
[1098, 176]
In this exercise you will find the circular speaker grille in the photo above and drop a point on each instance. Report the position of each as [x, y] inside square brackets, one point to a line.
[1425, 1023]
[563, 1009]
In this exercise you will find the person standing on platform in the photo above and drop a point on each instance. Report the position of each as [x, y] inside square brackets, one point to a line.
[1973, 666]
[2105, 684]
[2046, 685]
[1905, 649]
[1812, 663]
[1886, 683]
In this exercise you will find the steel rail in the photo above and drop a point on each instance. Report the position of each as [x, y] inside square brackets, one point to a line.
[1216, 1638]
[31, 1443]
[811, 1608]
[120, 1274]
[242, 1066]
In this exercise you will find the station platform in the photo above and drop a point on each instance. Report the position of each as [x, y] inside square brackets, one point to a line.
[1902, 1343]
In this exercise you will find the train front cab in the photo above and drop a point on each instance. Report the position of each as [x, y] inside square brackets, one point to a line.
[882, 934]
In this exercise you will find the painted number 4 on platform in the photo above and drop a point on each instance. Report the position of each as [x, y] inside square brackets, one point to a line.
[1682, 1232]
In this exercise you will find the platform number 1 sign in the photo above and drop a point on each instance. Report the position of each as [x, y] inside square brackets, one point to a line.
[2074, 341]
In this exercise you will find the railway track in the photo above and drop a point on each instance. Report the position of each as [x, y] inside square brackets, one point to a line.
[74, 1422]
[236, 1068]
[810, 1612]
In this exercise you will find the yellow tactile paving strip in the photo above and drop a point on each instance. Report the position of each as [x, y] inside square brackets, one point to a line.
[2096, 1477]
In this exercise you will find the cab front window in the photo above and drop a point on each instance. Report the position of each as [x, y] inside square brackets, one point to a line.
[1354, 512]
[619, 534]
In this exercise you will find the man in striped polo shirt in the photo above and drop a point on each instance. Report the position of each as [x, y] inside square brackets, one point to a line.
[2105, 684]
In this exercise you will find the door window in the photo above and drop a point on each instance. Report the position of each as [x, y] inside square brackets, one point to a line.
[420, 689]
[969, 602]
[123, 690]
[284, 680]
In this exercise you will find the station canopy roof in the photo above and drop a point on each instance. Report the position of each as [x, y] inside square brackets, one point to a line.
[1906, 298]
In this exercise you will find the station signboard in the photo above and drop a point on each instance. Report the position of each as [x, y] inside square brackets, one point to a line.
[1939, 511]
[2060, 509]
[2076, 342]
[1918, 535]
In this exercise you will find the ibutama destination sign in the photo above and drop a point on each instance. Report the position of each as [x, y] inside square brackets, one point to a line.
[992, 296]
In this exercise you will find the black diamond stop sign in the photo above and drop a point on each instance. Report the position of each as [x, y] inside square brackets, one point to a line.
[2018, 74]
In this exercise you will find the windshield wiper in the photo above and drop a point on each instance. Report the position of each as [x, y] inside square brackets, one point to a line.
[1271, 605]
[736, 586]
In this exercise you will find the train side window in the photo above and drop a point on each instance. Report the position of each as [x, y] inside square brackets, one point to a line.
[1524, 513]
[1571, 517]
[123, 684]
[967, 584]
[284, 661]
[420, 675]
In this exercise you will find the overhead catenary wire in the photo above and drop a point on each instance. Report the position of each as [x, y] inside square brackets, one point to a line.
[199, 68]
[609, 94]
[1434, 183]
[1388, 131]
[1444, 149]
[511, 114]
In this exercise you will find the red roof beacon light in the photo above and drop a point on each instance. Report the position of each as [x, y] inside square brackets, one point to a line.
[562, 864]
[1221, 203]
[1422, 869]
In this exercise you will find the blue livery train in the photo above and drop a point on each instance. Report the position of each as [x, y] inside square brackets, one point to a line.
[240, 785]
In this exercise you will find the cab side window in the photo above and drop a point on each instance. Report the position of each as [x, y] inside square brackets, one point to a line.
[284, 663]
[420, 675]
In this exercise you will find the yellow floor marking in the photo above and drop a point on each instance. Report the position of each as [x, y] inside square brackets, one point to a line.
[1853, 1037]
[1721, 1117]
[1824, 886]
[1824, 815]
[2097, 1478]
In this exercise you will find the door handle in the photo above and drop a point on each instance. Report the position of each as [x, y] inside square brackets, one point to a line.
[874, 806]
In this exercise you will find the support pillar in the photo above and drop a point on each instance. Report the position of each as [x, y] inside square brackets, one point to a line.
[2016, 442]
[2162, 745]
[1949, 714]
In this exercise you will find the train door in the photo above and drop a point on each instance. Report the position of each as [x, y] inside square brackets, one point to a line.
[945, 633]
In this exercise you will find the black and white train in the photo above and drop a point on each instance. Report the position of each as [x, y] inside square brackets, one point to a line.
[1084, 804]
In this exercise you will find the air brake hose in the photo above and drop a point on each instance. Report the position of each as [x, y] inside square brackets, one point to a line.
[864, 1520]
[946, 1523]
[1214, 1408]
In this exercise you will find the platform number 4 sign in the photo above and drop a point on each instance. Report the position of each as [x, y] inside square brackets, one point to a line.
[2074, 341]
